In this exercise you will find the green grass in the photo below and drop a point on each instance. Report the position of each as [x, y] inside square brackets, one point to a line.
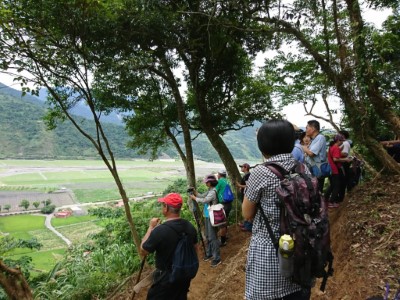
[26, 227]
[13, 224]
[43, 261]
[77, 233]
[90, 184]
[48, 239]
[58, 222]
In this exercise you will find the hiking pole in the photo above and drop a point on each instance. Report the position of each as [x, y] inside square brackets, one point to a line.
[193, 208]
[140, 274]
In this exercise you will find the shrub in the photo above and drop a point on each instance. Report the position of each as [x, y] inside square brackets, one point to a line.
[25, 204]
[48, 209]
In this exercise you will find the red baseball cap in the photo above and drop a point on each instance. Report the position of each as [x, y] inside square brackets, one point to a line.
[172, 199]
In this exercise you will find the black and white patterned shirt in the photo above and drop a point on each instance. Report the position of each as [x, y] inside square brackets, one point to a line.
[263, 280]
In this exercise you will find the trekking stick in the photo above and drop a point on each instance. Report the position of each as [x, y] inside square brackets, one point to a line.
[193, 208]
[140, 274]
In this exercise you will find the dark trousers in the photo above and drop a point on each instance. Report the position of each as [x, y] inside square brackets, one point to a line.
[162, 289]
[348, 176]
[337, 188]
[321, 182]
[304, 294]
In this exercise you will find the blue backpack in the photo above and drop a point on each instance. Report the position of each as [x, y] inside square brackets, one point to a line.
[227, 195]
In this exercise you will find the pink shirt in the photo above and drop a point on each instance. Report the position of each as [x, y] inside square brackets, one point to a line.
[334, 152]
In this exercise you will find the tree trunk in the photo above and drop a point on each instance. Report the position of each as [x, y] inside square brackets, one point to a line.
[14, 283]
[219, 145]
[366, 74]
[180, 106]
[359, 118]
[225, 155]
[128, 214]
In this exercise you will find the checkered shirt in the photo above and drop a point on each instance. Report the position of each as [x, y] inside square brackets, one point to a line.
[263, 280]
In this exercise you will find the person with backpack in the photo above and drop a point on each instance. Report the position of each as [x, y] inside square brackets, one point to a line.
[335, 193]
[209, 198]
[225, 197]
[263, 279]
[316, 151]
[164, 239]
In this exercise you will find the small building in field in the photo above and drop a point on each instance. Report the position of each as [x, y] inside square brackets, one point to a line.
[63, 214]
[120, 204]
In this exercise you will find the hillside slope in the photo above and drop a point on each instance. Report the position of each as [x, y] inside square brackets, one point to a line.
[365, 240]
[23, 135]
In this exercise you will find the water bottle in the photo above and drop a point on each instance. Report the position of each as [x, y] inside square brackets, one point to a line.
[285, 255]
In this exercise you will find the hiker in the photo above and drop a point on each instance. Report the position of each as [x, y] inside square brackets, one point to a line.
[212, 251]
[163, 240]
[349, 176]
[334, 194]
[263, 280]
[220, 188]
[316, 151]
[245, 168]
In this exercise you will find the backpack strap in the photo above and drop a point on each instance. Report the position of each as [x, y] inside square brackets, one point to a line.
[275, 242]
[329, 272]
[280, 172]
[179, 234]
[277, 169]
[169, 266]
[216, 196]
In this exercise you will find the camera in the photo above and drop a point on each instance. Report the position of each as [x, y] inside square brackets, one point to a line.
[190, 190]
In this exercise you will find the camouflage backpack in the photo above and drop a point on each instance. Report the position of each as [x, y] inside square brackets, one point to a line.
[303, 215]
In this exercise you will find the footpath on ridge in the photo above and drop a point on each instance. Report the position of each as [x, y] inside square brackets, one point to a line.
[365, 233]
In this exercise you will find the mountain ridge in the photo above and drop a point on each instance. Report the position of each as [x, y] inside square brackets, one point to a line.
[24, 135]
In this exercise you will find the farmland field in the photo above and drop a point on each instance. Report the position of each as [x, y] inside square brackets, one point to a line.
[76, 229]
[68, 183]
[79, 181]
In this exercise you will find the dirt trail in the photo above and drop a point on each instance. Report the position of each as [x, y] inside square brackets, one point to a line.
[226, 281]
[365, 241]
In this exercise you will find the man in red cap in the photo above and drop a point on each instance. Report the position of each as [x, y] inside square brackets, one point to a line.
[162, 239]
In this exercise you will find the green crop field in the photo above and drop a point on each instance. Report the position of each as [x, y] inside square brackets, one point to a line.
[43, 261]
[59, 222]
[90, 181]
[53, 247]
[70, 182]
[14, 224]
[77, 233]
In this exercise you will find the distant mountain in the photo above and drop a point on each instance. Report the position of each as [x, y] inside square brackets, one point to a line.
[23, 135]
[83, 110]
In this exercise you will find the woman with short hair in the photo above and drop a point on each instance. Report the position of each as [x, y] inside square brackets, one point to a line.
[263, 281]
